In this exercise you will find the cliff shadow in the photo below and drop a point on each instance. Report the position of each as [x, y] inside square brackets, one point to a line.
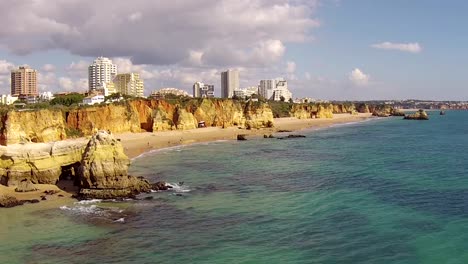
[68, 180]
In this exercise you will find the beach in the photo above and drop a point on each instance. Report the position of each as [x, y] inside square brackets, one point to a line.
[136, 144]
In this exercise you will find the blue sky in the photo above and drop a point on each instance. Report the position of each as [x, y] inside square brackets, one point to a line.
[329, 49]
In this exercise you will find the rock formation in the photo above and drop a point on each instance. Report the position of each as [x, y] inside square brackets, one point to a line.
[25, 185]
[132, 116]
[9, 201]
[38, 162]
[419, 115]
[103, 170]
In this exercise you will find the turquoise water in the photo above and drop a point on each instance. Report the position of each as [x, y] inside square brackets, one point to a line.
[381, 191]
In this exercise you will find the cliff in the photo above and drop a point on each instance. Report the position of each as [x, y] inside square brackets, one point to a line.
[133, 116]
[98, 167]
[103, 168]
[39, 162]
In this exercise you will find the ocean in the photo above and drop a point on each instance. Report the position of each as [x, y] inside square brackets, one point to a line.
[380, 191]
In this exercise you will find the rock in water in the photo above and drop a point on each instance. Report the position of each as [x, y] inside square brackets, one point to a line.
[9, 201]
[25, 185]
[103, 172]
[419, 115]
[241, 137]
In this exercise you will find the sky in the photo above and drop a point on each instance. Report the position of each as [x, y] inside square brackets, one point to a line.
[325, 49]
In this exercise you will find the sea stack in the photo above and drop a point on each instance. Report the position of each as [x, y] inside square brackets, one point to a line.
[419, 115]
[103, 171]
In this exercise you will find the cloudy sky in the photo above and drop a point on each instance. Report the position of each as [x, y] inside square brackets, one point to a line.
[328, 49]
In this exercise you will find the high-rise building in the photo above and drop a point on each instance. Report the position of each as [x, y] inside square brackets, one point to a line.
[229, 83]
[24, 81]
[281, 91]
[274, 89]
[129, 84]
[101, 72]
[201, 90]
[266, 87]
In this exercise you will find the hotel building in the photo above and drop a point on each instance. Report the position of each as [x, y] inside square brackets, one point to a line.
[229, 83]
[101, 72]
[24, 81]
[129, 84]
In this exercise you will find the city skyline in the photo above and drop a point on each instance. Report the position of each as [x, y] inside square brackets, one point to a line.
[328, 49]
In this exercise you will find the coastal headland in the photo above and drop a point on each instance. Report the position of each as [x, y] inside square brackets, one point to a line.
[48, 147]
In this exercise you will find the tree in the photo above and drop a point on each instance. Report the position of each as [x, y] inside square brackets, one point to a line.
[290, 100]
[282, 99]
[67, 100]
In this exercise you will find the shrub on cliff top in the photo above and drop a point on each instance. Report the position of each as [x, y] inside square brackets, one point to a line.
[280, 109]
[67, 100]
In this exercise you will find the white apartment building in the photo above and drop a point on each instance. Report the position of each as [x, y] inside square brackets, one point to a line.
[281, 90]
[274, 89]
[201, 90]
[246, 92]
[93, 99]
[7, 99]
[101, 72]
[129, 84]
[46, 96]
[266, 87]
[229, 83]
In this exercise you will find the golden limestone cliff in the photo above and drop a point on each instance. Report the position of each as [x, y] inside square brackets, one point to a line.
[39, 162]
[159, 115]
[133, 116]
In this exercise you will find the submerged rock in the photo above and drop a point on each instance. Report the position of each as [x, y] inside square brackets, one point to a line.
[103, 172]
[419, 115]
[292, 136]
[160, 186]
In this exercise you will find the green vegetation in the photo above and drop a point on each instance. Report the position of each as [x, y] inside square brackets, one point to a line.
[67, 100]
[280, 109]
[73, 132]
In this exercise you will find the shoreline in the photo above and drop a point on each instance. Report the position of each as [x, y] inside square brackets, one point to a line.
[137, 144]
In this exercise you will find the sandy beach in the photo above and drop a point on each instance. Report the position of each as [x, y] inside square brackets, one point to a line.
[136, 144]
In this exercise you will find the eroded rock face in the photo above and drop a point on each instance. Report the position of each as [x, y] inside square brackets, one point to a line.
[419, 115]
[38, 162]
[103, 172]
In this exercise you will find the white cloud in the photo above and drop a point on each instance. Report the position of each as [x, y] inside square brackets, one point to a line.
[359, 78]
[405, 47]
[135, 17]
[290, 67]
[6, 67]
[68, 84]
[221, 32]
[48, 68]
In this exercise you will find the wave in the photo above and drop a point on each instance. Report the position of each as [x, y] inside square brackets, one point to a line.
[179, 188]
[84, 210]
[92, 201]
[120, 220]
[177, 148]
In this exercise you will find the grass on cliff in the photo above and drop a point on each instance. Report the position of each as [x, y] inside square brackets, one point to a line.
[280, 109]
[73, 132]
